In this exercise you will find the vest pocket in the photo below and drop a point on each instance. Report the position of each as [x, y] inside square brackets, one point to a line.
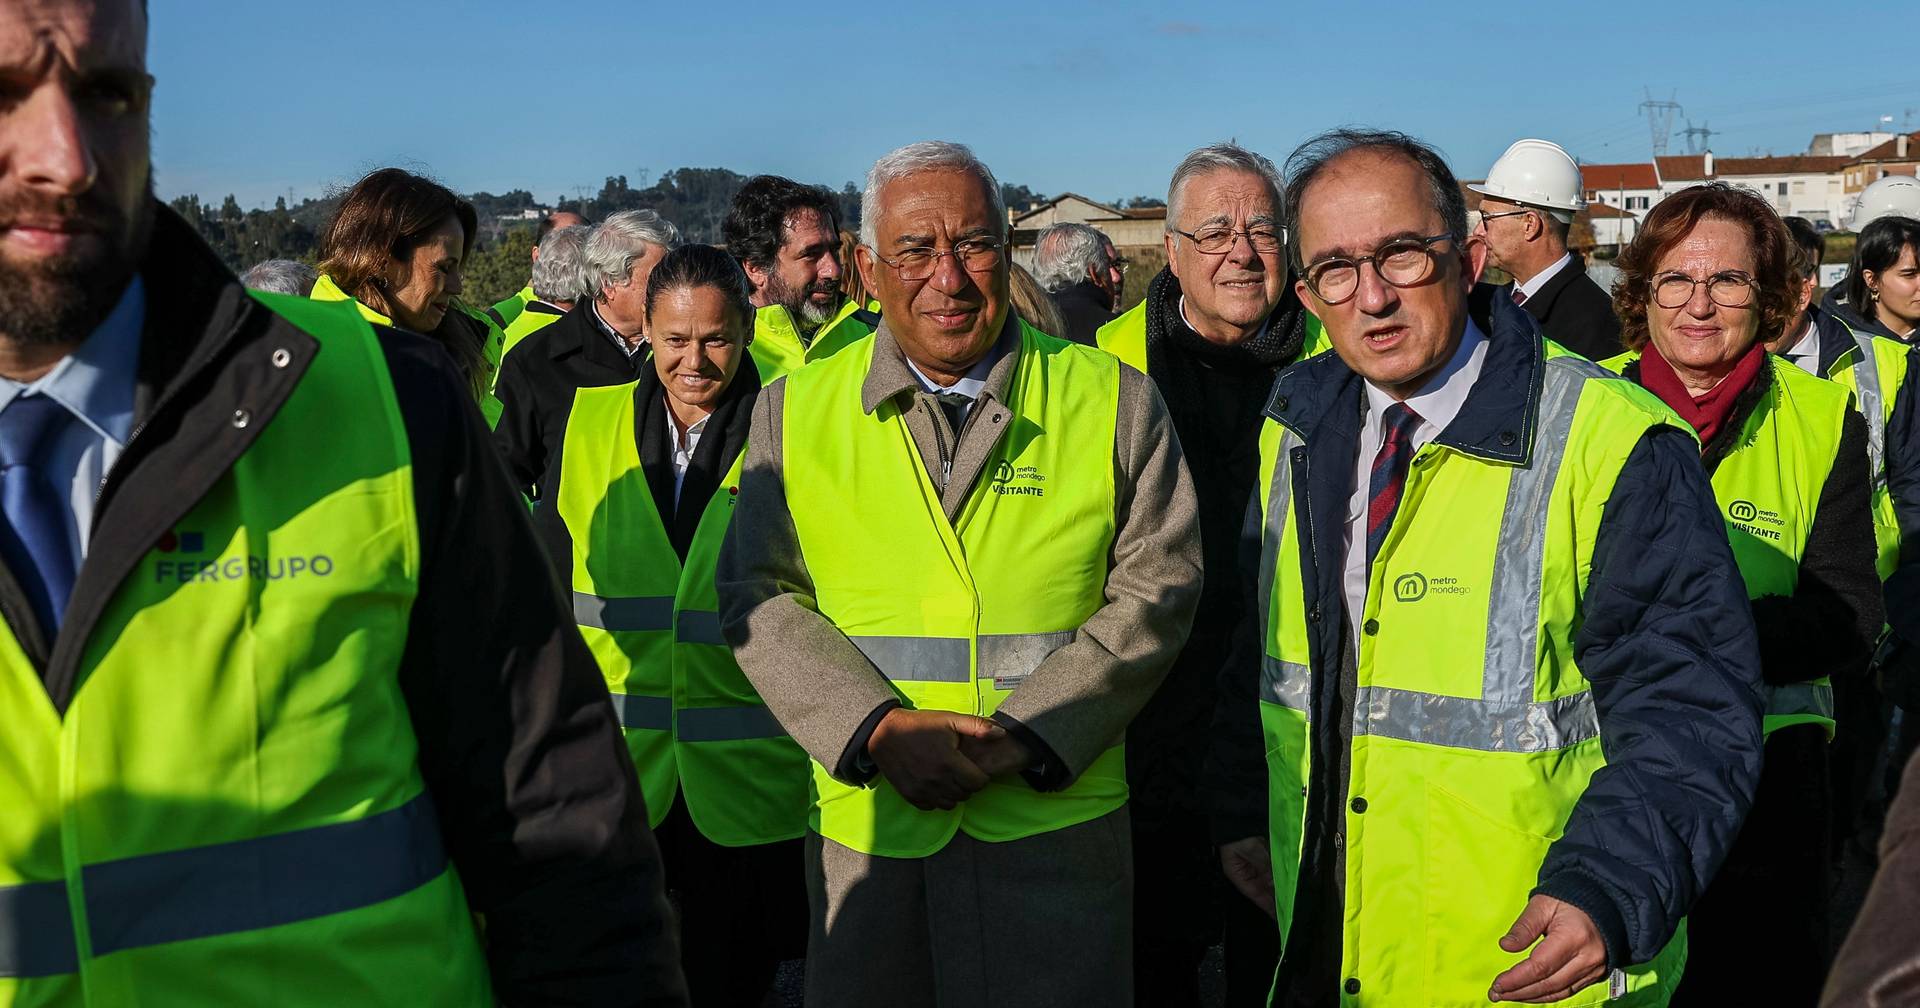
[1478, 871]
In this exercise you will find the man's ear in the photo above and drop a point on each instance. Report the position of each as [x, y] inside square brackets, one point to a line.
[1169, 240]
[863, 260]
[1475, 252]
[757, 275]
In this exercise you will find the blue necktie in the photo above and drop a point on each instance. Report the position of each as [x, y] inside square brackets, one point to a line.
[37, 544]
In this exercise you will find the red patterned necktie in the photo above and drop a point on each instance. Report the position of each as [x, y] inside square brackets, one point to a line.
[1519, 296]
[1389, 474]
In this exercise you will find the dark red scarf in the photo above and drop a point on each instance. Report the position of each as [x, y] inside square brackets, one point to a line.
[1707, 413]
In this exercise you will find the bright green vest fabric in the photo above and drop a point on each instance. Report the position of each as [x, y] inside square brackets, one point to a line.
[1768, 489]
[776, 343]
[528, 323]
[1126, 337]
[230, 810]
[974, 606]
[693, 723]
[1474, 733]
[325, 289]
[510, 308]
[1874, 373]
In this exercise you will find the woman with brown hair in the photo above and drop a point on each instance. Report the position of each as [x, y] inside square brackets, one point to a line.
[395, 247]
[1702, 287]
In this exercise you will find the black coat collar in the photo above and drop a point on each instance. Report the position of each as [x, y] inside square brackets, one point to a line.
[579, 334]
[1496, 422]
[1835, 340]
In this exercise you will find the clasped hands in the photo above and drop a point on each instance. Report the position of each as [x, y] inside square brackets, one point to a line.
[938, 759]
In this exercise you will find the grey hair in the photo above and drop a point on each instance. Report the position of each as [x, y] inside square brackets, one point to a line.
[620, 239]
[914, 158]
[1218, 157]
[560, 274]
[1063, 253]
[1310, 159]
[281, 276]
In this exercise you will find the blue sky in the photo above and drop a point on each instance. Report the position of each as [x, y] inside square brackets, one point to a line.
[259, 98]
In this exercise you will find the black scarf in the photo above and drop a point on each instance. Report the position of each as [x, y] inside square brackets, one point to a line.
[721, 441]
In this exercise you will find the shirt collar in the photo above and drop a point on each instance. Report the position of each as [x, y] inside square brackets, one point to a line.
[1805, 351]
[971, 383]
[96, 381]
[1445, 393]
[612, 333]
[1532, 287]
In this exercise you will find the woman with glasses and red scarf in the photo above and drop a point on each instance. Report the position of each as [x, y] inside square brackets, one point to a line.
[1702, 287]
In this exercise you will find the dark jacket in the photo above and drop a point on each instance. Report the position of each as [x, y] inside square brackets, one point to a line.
[1085, 308]
[1837, 306]
[536, 387]
[1683, 749]
[721, 441]
[1214, 396]
[1574, 312]
[537, 800]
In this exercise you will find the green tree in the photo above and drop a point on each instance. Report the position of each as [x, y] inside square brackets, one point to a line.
[498, 269]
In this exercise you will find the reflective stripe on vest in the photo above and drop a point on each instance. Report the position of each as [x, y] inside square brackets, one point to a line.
[995, 590]
[1876, 379]
[694, 726]
[225, 888]
[1004, 658]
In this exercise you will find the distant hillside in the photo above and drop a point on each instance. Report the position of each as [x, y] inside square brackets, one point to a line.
[694, 199]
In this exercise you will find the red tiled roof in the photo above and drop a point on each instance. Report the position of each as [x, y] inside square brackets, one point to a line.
[1598, 209]
[1682, 168]
[1637, 175]
[1889, 151]
[1791, 164]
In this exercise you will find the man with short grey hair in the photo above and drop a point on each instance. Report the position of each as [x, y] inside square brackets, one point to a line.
[505, 312]
[559, 280]
[1217, 324]
[600, 342]
[969, 841]
[281, 276]
[1078, 265]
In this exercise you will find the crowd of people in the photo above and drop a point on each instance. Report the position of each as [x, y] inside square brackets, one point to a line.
[862, 597]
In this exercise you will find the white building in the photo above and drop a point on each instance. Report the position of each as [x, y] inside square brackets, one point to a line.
[1845, 144]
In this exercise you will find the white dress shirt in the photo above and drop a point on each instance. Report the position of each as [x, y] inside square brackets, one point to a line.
[95, 383]
[684, 443]
[1532, 287]
[1806, 350]
[1437, 404]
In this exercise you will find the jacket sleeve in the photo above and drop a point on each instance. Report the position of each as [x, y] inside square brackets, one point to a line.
[825, 693]
[1879, 964]
[1236, 767]
[517, 434]
[1080, 700]
[1902, 449]
[518, 744]
[1829, 625]
[1668, 645]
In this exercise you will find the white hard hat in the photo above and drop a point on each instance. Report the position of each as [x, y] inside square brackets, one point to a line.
[1535, 173]
[1889, 196]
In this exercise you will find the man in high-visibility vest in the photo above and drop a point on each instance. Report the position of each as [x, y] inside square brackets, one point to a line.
[787, 237]
[504, 312]
[560, 281]
[963, 556]
[1218, 323]
[291, 701]
[1502, 678]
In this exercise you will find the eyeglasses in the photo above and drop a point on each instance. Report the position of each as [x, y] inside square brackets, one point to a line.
[1732, 289]
[1219, 240]
[975, 255]
[1485, 217]
[1402, 263]
[1121, 263]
